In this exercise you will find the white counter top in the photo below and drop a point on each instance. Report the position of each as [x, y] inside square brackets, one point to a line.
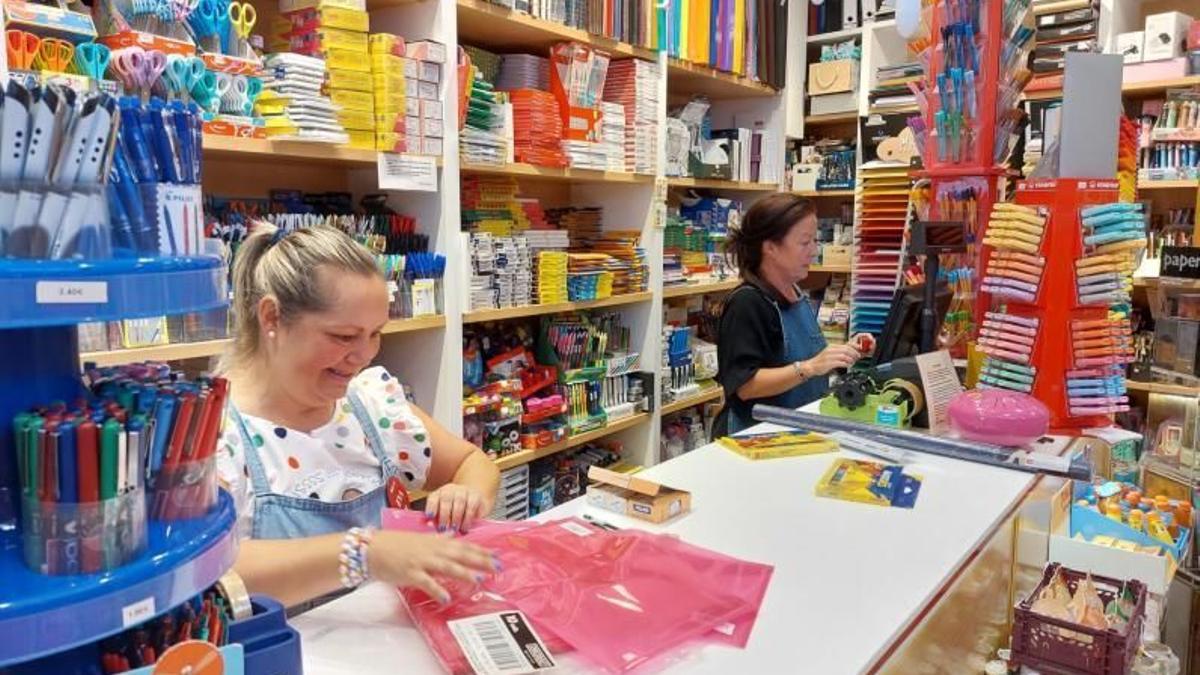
[849, 578]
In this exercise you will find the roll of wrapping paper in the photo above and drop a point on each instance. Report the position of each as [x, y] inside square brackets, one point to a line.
[1078, 467]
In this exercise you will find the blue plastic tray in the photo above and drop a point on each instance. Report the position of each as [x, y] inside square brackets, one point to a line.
[41, 615]
[66, 292]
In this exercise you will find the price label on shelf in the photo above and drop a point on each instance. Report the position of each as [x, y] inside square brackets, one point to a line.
[138, 612]
[416, 173]
[71, 292]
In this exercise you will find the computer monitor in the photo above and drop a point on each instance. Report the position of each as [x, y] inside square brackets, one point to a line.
[901, 334]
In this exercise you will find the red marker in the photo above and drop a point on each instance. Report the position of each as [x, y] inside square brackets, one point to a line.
[87, 455]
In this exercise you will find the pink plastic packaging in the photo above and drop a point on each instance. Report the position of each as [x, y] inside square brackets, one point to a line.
[998, 416]
[584, 587]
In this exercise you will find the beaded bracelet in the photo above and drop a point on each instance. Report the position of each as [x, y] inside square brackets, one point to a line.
[352, 561]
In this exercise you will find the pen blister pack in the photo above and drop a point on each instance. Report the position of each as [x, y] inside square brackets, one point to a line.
[174, 215]
[61, 538]
[1015, 258]
[1008, 340]
[185, 490]
[1111, 237]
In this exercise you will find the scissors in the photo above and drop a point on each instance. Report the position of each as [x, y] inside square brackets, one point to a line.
[55, 54]
[138, 68]
[22, 47]
[91, 59]
[206, 21]
[242, 17]
[205, 91]
[182, 73]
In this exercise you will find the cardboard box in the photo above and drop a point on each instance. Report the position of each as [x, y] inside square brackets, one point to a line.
[390, 123]
[387, 64]
[361, 140]
[636, 497]
[295, 5]
[833, 103]
[432, 127]
[431, 110]
[832, 77]
[414, 106]
[431, 146]
[426, 50]
[1129, 46]
[330, 17]
[835, 255]
[389, 142]
[353, 100]
[1165, 35]
[412, 89]
[349, 79]
[427, 90]
[428, 71]
[412, 126]
[386, 43]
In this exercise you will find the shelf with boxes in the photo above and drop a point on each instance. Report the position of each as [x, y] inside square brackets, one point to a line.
[527, 456]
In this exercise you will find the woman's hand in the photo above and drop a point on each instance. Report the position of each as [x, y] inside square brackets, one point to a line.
[407, 559]
[455, 507]
[831, 358]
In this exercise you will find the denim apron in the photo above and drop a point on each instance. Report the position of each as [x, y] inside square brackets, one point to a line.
[279, 516]
[802, 340]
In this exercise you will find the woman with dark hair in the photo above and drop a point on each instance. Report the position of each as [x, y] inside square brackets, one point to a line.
[769, 347]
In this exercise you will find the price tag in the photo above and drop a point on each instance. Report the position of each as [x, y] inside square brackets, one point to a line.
[71, 292]
[138, 612]
[416, 173]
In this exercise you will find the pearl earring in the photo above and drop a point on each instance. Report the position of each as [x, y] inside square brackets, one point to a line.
[271, 334]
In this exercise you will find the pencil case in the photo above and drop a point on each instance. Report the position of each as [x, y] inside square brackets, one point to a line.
[63, 538]
[350, 79]
[187, 489]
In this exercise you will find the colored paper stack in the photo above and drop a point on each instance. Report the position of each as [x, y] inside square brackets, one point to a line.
[633, 83]
[523, 71]
[487, 63]
[537, 128]
[612, 133]
[309, 115]
[879, 244]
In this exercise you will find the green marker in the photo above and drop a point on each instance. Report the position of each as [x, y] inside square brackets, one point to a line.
[20, 426]
[32, 454]
[109, 435]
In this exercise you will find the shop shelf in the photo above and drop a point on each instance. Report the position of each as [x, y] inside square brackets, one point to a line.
[830, 269]
[832, 118]
[549, 173]
[894, 110]
[1168, 184]
[482, 315]
[712, 392]
[813, 194]
[40, 293]
[718, 184]
[1162, 388]
[498, 28]
[684, 291]
[686, 79]
[41, 615]
[834, 36]
[527, 456]
[230, 147]
[410, 325]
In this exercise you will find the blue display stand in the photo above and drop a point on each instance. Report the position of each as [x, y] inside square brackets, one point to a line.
[41, 303]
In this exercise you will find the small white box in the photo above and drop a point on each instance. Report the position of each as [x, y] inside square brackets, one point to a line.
[431, 146]
[412, 126]
[431, 109]
[411, 69]
[432, 127]
[1129, 46]
[412, 89]
[427, 91]
[413, 106]
[428, 71]
[426, 50]
[1165, 35]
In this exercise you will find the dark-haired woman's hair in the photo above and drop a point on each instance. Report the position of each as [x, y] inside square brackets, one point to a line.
[769, 219]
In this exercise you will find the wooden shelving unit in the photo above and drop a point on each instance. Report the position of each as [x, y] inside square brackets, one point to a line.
[480, 316]
[817, 194]
[700, 289]
[1132, 89]
[833, 36]
[894, 110]
[713, 392]
[500, 29]
[183, 351]
[527, 456]
[685, 79]
[718, 184]
[1162, 388]
[548, 173]
[292, 152]
[832, 118]
[829, 269]
[1169, 184]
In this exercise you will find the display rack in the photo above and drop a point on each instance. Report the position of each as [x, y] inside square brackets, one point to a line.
[44, 302]
[712, 392]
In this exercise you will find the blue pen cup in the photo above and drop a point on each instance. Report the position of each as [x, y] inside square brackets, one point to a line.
[186, 490]
[63, 538]
[37, 222]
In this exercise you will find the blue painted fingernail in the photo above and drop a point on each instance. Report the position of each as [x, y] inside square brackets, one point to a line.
[479, 578]
[429, 514]
[441, 528]
[446, 599]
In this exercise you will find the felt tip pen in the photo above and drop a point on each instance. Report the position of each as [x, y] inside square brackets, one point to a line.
[87, 461]
[49, 464]
[110, 435]
[68, 476]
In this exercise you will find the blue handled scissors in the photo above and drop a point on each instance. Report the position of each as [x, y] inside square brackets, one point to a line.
[207, 91]
[182, 74]
[91, 59]
[207, 21]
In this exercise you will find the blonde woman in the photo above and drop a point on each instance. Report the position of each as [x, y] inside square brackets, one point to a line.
[314, 440]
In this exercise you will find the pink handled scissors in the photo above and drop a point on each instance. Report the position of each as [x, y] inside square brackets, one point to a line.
[138, 68]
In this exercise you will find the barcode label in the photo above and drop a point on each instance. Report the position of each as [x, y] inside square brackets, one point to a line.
[500, 644]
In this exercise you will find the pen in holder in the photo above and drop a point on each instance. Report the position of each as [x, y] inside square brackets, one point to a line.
[63, 538]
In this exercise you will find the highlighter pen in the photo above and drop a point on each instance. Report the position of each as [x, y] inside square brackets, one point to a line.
[109, 447]
[943, 131]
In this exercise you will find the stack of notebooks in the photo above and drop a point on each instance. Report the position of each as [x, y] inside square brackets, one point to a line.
[483, 265]
[309, 115]
[537, 128]
[626, 260]
[549, 247]
[483, 139]
[514, 272]
[523, 71]
[490, 204]
[747, 37]
[879, 244]
[582, 224]
[535, 215]
[673, 274]
[586, 155]
[633, 83]
[1057, 33]
[891, 85]
[612, 134]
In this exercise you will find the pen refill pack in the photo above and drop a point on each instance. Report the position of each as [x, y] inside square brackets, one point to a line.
[93, 176]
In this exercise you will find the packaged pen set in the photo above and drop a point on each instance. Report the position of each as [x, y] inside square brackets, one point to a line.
[973, 53]
[86, 469]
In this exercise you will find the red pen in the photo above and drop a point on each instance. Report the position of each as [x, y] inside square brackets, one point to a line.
[183, 418]
[199, 415]
[88, 461]
[49, 463]
[212, 427]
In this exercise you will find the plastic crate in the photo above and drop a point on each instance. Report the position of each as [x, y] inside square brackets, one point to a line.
[1053, 646]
